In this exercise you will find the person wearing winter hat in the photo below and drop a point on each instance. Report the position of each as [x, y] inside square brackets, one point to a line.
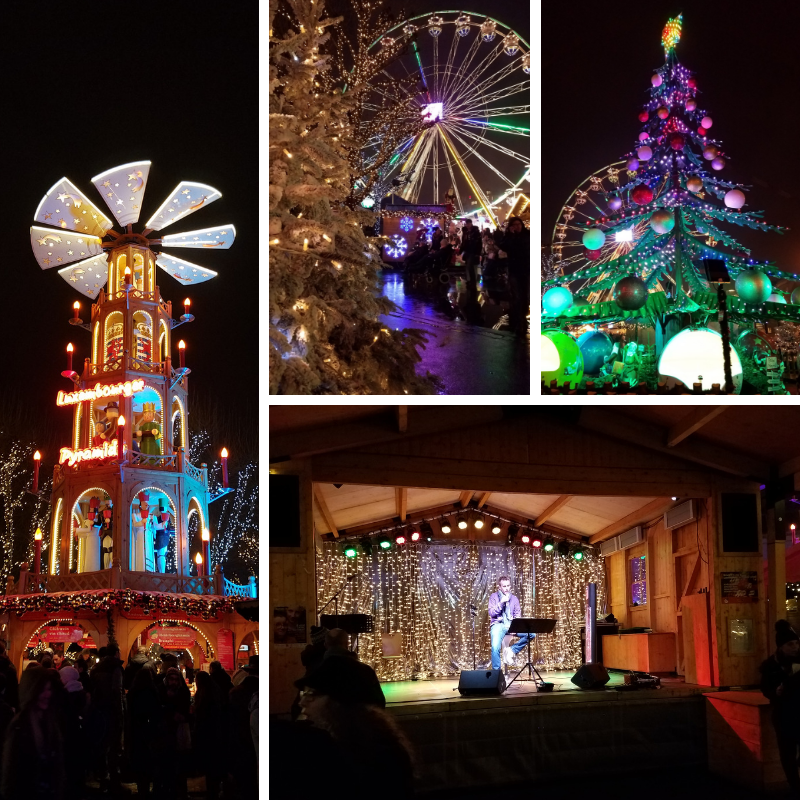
[311, 658]
[780, 682]
[345, 680]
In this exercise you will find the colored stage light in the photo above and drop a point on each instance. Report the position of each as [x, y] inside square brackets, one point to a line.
[577, 554]
[446, 526]
[350, 551]
[462, 522]
[478, 522]
[415, 536]
[366, 546]
[400, 539]
[537, 541]
[525, 538]
[426, 530]
[496, 527]
[549, 545]
[563, 547]
[385, 543]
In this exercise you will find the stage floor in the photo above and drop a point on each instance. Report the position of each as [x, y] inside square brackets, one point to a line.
[412, 696]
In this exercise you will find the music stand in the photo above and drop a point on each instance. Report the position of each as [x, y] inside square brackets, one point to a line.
[530, 625]
[350, 623]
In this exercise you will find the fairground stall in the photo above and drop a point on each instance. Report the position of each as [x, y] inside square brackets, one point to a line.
[127, 550]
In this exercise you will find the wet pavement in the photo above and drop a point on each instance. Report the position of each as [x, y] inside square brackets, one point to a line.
[464, 349]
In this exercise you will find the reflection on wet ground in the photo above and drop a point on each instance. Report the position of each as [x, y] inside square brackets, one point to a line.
[466, 348]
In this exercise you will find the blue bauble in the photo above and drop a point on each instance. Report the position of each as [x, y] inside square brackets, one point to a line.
[557, 300]
[594, 347]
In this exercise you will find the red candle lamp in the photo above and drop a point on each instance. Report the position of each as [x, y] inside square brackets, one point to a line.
[37, 538]
[37, 457]
[182, 353]
[198, 559]
[224, 455]
[70, 349]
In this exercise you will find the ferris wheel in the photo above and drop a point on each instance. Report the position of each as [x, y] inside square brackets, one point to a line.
[474, 88]
[606, 191]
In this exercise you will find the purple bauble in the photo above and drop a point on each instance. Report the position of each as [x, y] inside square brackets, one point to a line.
[615, 203]
[632, 165]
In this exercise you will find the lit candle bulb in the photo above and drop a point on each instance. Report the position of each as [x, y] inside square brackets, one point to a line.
[206, 537]
[198, 559]
[69, 357]
[76, 307]
[37, 538]
[182, 352]
[37, 457]
[127, 276]
[224, 455]
[186, 303]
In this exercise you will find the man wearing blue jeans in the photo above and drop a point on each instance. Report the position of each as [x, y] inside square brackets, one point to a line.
[503, 607]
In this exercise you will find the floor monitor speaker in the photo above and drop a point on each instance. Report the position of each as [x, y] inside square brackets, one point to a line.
[481, 681]
[590, 676]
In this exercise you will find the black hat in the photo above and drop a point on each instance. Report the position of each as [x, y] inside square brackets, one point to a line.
[784, 632]
[344, 679]
[251, 666]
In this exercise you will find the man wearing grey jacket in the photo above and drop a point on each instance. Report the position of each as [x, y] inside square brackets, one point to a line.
[503, 607]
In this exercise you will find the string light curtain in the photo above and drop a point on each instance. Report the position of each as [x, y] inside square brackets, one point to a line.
[425, 592]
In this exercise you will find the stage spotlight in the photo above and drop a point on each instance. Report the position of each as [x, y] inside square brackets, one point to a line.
[400, 539]
[415, 536]
[549, 545]
[462, 521]
[525, 538]
[577, 553]
[563, 547]
[350, 551]
[478, 521]
[366, 546]
[496, 527]
[385, 543]
[512, 532]
[426, 530]
[537, 541]
[446, 526]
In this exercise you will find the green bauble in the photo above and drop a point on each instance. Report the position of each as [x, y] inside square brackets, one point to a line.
[753, 286]
[630, 293]
[795, 299]
[561, 358]
[593, 239]
[580, 301]
[662, 221]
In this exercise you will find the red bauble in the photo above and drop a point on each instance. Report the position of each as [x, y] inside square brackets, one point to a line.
[677, 141]
[592, 255]
[642, 195]
[644, 116]
[702, 131]
[691, 83]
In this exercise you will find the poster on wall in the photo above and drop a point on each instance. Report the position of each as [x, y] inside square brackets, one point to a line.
[225, 648]
[740, 587]
[289, 625]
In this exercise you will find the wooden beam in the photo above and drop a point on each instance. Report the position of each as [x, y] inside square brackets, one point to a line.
[391, 522]
[402, 418]
[466, 496]
[401, 496]
[484, 498]
[522, 520]
[690, 580]
[692, 423]
[653, 509]
[501, 476]
[423, 421]
[616, 425]
[685, 551]
[560, 502]
[324, 510]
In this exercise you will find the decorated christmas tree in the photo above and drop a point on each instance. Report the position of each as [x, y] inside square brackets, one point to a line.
[659, 253]
[324, 302]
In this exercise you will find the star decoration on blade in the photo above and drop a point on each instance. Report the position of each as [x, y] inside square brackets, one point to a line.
[122, 189]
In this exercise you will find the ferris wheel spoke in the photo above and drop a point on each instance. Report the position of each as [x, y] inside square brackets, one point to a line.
[470, 78]
[462, 70]
[450, 170]
[472, 150]
[523, 157]
[483, 125]
[481, 90]
[470, 180]
[435, 67]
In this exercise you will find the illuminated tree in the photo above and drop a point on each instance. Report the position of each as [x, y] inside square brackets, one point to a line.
[325, 335]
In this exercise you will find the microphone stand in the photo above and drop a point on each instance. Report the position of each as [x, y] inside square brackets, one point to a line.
[334, 600]
[473, 610]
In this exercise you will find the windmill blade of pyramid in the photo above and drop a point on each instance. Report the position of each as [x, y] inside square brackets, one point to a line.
[123, 189]
[220, 238]
[54, 248]
[88, 276]
[184, 271]
[187, 198]
[67, 207]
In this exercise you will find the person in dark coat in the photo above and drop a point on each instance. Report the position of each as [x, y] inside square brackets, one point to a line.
[74, 731]
[471, 246]
[243, 757]
[516, 244]
[11, 695]
[209, 711]
[780, 682]
[175, 700]
[82, 665]
[311, 658]
[33, 755]
[221, 678]
[360, 679]
[139, 660]
[144, 726]
[6, 715]
[106, 717]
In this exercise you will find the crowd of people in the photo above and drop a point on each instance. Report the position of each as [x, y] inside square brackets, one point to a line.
[66, 727]
[503, 254]
[339, 716]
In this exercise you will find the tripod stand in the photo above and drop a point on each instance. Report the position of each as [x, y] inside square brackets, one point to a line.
[530, 625]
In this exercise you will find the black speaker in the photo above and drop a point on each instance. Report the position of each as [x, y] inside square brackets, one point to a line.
[590, 676]
[284, 513]
[740, 523]
[481, 681]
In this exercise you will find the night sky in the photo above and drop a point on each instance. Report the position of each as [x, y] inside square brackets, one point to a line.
[597, 59]
[93, 86]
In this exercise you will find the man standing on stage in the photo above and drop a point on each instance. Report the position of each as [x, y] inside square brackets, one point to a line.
[503, 607]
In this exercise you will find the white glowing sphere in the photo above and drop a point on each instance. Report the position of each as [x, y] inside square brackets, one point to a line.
[550, 358]
[734, 198]
[707, 122]
[695, 356]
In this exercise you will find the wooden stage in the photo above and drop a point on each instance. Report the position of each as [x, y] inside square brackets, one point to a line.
[527, 736]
